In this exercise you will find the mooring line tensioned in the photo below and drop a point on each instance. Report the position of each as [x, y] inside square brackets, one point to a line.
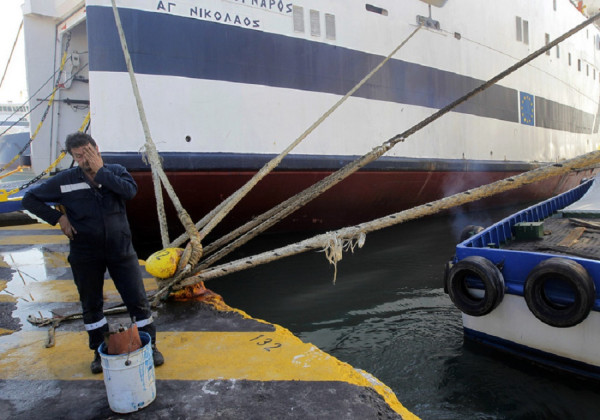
[354, 233]
[11, 53]
[268, 219]
[196, 247]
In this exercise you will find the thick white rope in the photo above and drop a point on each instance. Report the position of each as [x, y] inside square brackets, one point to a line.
[357, 232]
[150, 147]
[269, 218]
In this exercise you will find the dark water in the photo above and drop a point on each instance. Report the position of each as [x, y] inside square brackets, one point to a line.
[388, 314]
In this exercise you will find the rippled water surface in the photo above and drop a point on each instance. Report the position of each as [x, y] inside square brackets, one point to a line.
[388, 314]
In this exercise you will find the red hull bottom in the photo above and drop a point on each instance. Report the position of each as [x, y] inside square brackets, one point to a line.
[363, 196]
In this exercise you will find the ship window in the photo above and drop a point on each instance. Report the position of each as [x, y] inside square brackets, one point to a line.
[587, 69]
[578, 65]
[547, 38]
[376, 9]
[554, 5]
[329, 26]
[315, 26]
[569, 59]
[557, 52]
[298, 14]
[522, 30]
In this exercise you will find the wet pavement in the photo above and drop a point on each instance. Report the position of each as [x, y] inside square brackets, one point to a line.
[220, 362]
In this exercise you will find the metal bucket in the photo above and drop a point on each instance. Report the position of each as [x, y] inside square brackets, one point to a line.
[129, 378]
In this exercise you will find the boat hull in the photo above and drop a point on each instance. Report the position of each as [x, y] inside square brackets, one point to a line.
[574, 349]
[528, 284]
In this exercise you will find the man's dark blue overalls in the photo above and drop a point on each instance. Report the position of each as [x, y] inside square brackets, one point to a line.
[103, 241]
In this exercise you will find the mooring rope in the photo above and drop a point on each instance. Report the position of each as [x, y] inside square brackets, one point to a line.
[11, 54]
[153, 156]
[213, 218]
[271, 217]
[357, 233]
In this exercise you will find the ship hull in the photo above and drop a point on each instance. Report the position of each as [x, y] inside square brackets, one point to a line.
[372, 192]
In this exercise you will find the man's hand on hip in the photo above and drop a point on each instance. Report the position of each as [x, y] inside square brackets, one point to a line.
[66, 227]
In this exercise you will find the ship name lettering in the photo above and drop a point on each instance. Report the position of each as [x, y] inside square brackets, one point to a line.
[161, 6]
[218, 16]
[270, 4]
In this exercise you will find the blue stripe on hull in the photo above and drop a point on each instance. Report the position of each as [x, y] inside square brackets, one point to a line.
[252, 162]
[541, 357]
[162, 44]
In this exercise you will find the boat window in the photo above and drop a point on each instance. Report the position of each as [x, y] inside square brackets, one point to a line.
[298, 15]
[554, 5]
[525, 32]
[519, 29]
[329, 26]
[569, 59]
[315, 25]
[557, 52]
[578, 64]
[376, 9]
[547, 38]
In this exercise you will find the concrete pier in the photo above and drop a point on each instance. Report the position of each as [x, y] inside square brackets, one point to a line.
[220, 362]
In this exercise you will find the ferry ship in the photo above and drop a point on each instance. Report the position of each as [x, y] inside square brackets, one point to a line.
[228, 84]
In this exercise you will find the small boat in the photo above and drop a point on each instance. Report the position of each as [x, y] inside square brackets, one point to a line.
[528, 285]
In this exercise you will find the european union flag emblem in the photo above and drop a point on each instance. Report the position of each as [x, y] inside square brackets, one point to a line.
[527, 109]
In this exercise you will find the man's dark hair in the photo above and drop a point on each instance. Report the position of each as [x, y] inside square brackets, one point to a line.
[77, 140]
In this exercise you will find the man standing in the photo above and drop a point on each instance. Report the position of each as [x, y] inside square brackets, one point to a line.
[94, 194]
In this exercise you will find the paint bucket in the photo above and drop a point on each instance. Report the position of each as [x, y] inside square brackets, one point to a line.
[129, 377]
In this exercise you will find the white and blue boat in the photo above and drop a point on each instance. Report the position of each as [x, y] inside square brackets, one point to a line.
[530, 284]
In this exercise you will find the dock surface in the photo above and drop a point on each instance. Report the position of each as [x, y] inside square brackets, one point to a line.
[220, 362]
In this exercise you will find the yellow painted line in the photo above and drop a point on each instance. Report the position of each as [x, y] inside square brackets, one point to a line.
[56, 259]
[66, 291]
[5, 331]
[33, 226]
[198, 356]
[33, 239]
[5, 297]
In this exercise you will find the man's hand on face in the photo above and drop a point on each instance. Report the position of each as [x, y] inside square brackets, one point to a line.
[93, 158]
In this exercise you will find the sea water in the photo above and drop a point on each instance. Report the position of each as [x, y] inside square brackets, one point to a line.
[387, 313]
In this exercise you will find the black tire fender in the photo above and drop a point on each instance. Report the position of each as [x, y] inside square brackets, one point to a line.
[552, 313]
[485, 272]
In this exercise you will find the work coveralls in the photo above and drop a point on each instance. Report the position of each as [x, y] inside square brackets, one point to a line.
[102, 241]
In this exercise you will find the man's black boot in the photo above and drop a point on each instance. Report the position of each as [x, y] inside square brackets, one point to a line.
[157, 356]
[96, 365]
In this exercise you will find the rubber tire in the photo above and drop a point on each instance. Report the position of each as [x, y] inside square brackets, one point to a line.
[574, 274]
[490, 276]
[469, 231]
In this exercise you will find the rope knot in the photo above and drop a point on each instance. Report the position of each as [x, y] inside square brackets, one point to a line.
[335, 247]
